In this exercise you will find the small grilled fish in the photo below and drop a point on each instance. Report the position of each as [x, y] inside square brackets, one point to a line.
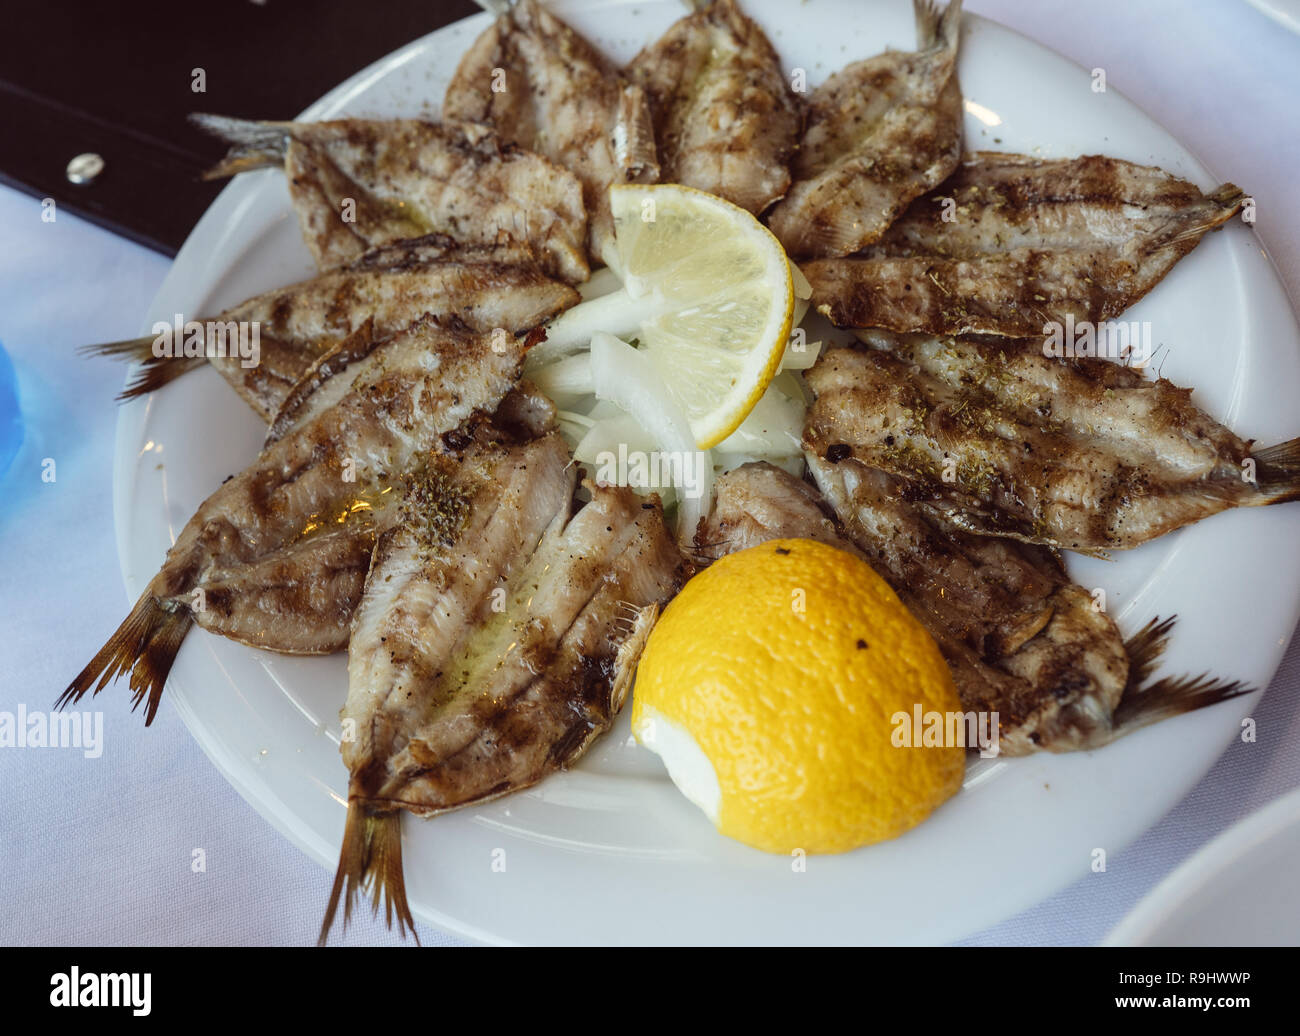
[277, 556]
[1021, 640]
[880, 133]
[360, 183]
[1087, 454]
[1010, 244]
[496, 640]
[725, 119]
[483, 287]
[542, 86]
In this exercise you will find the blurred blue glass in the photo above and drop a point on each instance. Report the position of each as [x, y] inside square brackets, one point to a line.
[11, 422]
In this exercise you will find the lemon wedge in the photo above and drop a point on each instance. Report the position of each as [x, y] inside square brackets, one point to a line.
[707, 294]
[773, 687]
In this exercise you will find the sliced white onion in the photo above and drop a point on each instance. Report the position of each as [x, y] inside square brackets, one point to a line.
[800, 359]
[627, 378]
[802, 288]
[602, 282]
[615, 313]
[609, 434]
[724, 462]
[565, 379]
[799, 312]
[774, 428]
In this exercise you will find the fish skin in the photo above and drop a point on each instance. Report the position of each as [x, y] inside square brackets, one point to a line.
[1084, 455]
[459, 695]
[409, 178]
[879, 133]
[563, 99]
[1031, 242]
[1020, 638]
[275, 528]
[726, 120]
[481, 287]
[459, 714]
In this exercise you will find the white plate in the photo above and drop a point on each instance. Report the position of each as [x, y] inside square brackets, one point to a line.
[1241, 889]
[611, 852]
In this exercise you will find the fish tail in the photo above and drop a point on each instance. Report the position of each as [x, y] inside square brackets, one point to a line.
[154, 372]
[937, 28]
[1145, 702]
[253, 145]
[1219, 206]
[145, 645]
[371, 855]
[1277, 472]
[138, 349]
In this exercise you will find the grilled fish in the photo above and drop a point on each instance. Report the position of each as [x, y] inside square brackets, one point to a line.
[1087, 455]
[542, 86]
[495, 641]
[482, 287]
[879, 134]
[277, 556]
[359, 183]
[725, 120]
[1012, 244]
[1022, 641]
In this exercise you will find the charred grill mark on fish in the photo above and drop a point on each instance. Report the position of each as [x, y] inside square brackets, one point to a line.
[879, 133]
[491, 654]
[1010, 244]
[295, 520]
[1086, 455]
[561, 98]
[726, 121]
[482, 287]
[408, 178]
[1020, 638]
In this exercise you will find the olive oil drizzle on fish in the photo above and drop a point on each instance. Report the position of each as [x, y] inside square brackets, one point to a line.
[256, 563]
[495, 640]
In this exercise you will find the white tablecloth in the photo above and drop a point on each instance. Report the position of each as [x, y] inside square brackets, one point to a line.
[101, 852]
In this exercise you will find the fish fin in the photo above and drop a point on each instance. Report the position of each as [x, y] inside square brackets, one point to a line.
[937, 28]
[371, 856]
[347, 351]
[640, 621]
[637, 155]
[145, 645]
[253, 145]
[1144, 702]
[154, 372]
[1277, 472]
[137, 349]
[1228, 196]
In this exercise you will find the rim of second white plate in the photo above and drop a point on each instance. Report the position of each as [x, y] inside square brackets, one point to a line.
[1191, 877]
